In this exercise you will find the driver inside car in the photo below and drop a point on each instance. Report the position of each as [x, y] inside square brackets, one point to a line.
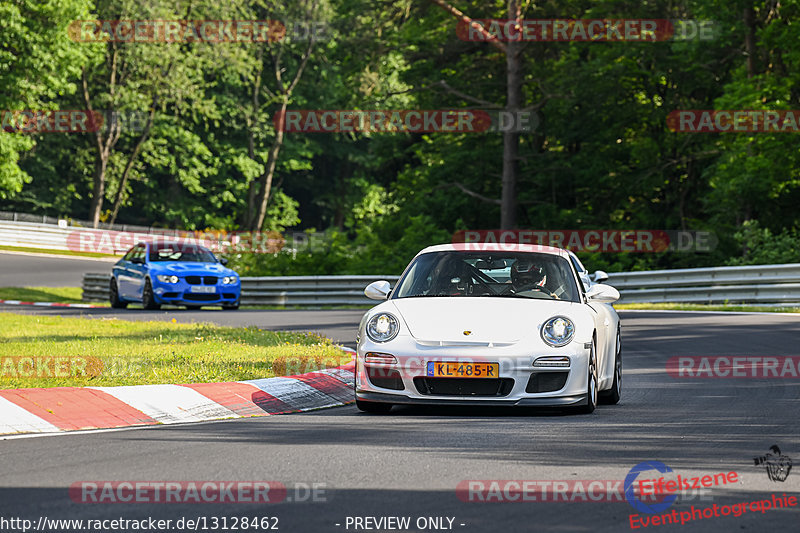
[526, 275]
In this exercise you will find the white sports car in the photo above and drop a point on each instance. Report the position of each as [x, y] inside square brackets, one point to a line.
[489, 324]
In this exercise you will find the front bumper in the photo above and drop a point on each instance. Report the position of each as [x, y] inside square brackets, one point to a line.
[519, 383]
[181, 294]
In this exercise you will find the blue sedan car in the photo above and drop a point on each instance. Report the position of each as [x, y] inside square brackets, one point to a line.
[168, 273]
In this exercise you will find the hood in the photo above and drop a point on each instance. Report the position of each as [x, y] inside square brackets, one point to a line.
[443, 321]
[194, 268]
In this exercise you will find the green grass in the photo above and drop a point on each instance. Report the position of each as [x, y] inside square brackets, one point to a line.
[53, 252]
[61, 351]
[70, 295]
[704, 307]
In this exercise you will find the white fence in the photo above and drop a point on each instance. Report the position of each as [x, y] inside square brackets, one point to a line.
[762, 284]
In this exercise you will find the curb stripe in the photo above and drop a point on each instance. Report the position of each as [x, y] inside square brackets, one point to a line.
[69, 408]
[169, 404]
[49, 304]
[298, 395]
[15, 419]
[238, 397]
[329, 385]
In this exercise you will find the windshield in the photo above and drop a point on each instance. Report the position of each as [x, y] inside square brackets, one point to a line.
[173, 252]
[499, 274]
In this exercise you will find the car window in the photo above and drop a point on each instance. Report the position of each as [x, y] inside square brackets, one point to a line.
[138, 253]
[128, 256]
[183, 252]
[490, 274]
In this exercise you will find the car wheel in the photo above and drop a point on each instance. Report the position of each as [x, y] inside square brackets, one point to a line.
[148, 300]
[612, 396]
[232, 307]
[373, 407]
[113, 296]
[591, 382]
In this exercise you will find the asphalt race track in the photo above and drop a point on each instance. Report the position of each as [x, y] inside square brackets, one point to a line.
[18, 270]
[408, 464]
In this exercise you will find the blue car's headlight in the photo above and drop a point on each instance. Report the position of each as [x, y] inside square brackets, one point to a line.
[558, 331]
[382, 327]
[229, 280]
[167, 279]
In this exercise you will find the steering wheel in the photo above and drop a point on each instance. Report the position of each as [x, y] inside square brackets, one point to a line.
[535, 288]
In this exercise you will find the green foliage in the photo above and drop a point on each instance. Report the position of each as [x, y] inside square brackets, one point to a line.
[762, 247]
[600, 156]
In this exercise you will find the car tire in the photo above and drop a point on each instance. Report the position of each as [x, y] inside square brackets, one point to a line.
[233, 307]
[373, 407]
[591, 383]
[613, 395]
[148, 299]
[113, 296]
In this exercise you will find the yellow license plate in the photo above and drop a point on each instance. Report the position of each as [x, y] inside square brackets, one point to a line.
[463, 370]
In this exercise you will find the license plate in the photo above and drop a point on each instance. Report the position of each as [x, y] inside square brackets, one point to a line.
[201, 288]
[463, 370]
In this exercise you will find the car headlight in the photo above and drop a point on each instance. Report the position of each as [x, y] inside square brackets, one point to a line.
[167, 279]
[382, 327]
[229, 280]
[558, 331]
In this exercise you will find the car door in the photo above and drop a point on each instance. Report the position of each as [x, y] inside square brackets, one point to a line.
[123, 275]
[137, 271]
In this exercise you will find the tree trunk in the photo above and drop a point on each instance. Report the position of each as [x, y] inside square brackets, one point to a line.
[99, 188]
[131, 161]
[269, 173]
[508, 206]
[750, 40]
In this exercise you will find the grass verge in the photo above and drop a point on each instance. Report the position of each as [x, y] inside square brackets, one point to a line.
[44, 351]
[71, 295]
[704, 307]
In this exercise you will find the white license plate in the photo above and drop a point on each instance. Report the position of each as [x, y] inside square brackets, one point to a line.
[201, 288]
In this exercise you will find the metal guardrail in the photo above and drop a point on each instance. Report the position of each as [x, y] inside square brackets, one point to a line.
[274, 290]
[760, 284]
[753, 284]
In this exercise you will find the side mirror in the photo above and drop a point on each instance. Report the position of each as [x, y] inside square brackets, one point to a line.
[137, 260]
[600, 293]
[378, 290]
[600, 277]
[223, 261]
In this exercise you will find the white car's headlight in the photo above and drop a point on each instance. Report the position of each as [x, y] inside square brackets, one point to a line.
[382, 327]
[229, 280]
[558, 331]
[167, 279]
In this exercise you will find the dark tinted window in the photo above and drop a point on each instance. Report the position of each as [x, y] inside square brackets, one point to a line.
[490, 274]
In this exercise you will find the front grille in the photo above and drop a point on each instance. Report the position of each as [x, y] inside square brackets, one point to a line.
[192, 297]
[463, 386]
[201, 280]
[546, 381]
[229, 295]
[170, 295]
[382, 377]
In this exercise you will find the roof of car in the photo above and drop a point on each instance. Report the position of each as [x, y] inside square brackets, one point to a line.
[494, 247]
